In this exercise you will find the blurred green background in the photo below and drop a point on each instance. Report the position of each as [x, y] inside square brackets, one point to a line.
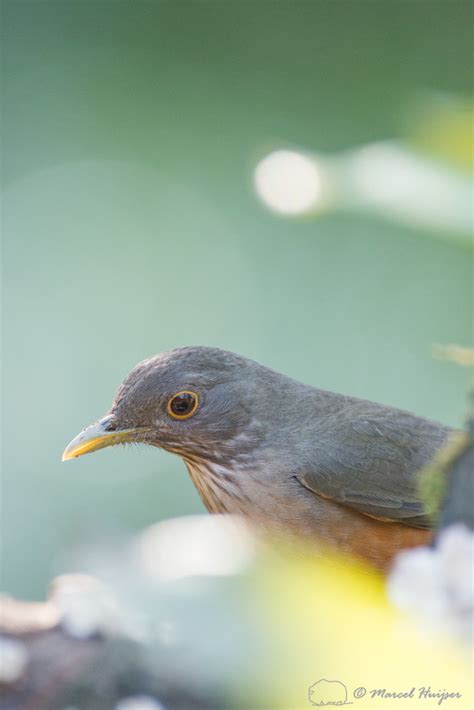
[131, 131]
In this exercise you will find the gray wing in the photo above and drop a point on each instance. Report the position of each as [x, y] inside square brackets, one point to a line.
[368, 461]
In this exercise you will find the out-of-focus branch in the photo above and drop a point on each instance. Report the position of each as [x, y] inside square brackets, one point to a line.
[44, 667]
[387, 179]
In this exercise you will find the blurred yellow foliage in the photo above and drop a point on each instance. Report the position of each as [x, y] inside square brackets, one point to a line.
[329, 618]
[443, 127]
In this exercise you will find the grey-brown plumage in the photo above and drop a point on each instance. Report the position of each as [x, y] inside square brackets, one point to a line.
[258, 443]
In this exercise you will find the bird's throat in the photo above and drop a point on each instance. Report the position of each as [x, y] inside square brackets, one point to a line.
[217, 485]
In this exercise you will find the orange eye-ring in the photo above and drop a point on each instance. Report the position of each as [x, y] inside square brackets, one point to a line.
[182, 405]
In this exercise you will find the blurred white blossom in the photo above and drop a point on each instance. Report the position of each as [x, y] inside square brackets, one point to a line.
[437, 583]
[85, 605]
[196, 546]
[13, 659]
[139, 702]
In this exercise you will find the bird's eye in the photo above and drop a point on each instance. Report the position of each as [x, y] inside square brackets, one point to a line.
[183, 405]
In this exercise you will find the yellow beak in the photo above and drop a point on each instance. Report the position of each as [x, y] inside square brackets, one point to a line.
[98, 436]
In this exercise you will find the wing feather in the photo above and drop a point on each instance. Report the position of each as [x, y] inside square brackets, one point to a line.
[371, 464]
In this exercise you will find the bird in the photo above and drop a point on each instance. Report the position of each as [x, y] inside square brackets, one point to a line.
[316, 465]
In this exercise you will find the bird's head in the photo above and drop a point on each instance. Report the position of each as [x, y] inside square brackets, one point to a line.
[197, 402]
